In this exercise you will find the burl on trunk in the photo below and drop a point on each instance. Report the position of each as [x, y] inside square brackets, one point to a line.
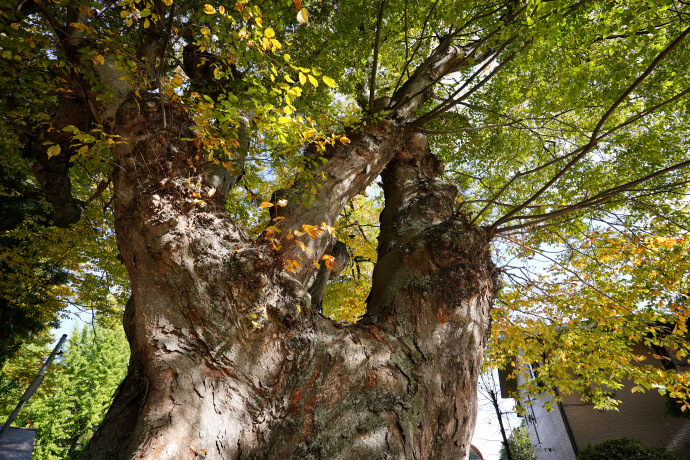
[230, 361]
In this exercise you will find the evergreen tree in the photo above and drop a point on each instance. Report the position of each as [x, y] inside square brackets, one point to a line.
[520, 445]
[76, 392]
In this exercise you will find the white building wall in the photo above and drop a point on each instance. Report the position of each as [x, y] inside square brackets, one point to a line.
[548, 432]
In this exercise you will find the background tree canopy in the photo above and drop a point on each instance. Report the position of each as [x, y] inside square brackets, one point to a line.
[562, 124]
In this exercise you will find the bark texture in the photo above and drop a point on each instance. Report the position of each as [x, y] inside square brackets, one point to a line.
[228, 359]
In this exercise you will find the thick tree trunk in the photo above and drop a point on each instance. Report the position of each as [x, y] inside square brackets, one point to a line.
[228, 359]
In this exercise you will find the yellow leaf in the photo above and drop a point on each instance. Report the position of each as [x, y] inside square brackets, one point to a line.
[313, 81]
[205, 31]
[329, 82]
[302, 16]
[177, 80]
[302, 79]
[221, 8]
[98, 59]
[313, 231]
[269, 33]
[265, 204]
[344, 140]
[209, 9]
[53, 150]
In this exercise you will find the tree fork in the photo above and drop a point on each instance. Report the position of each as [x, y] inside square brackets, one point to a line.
[224, 363]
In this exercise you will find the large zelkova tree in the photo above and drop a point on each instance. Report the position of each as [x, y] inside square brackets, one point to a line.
[232, 143]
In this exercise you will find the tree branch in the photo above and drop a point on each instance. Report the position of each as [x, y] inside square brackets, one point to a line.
[419, 44]
[451, 101]
[462, 130]
[594, 137]
[374, 68]
[596, 200]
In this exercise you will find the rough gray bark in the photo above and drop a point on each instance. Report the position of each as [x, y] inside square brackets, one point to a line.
[205, 382]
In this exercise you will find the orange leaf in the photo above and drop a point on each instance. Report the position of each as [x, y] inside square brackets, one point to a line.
[329, 260]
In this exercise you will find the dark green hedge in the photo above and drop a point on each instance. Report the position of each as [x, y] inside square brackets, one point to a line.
[624, 449]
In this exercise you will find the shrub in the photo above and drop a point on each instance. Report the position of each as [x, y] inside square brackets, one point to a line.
[624, 449]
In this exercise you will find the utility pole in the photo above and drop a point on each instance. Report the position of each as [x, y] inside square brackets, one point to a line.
[32, 388]
[494, 401]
